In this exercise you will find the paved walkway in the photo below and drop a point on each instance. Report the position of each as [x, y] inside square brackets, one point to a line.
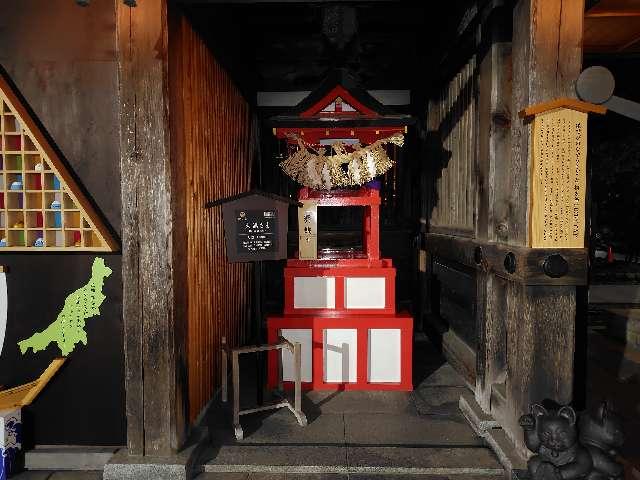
[350, 435]
[358, 434]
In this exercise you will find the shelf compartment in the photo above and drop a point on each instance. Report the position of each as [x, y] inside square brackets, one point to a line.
[31, 162]
[54, 238]
[33, 200]
[34, 219]
[11, 123]
[32, 181]
[50, 197]
[3, 222]
[35, 235]
[51, 181]
[15, 200]
[72, 238]
[71, 219]
[12, 161]
[15, 238]
[53, 219]
[14, 218]
[90, 239]
[68, 203]
[29, 146]
[12, 142]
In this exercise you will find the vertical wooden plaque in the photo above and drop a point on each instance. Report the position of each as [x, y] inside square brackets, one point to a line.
[558, 179]
[308, 230]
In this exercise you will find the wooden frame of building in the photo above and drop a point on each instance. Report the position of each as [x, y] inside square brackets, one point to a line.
[525, 320]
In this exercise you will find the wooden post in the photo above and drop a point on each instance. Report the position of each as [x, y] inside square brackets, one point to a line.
[224, 372]
[297, 361]
[540, 327]
[493, 150]
[235, 374]
[154, 336]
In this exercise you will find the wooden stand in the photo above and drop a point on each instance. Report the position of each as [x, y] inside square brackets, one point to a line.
[296, 408]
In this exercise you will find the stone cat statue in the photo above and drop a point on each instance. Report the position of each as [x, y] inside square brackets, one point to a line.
[553, 436]
[601, 434]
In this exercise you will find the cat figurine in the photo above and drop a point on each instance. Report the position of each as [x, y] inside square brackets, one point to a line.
[553, 436]
[601, 434]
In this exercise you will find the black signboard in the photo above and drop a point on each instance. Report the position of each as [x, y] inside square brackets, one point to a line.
[256, 231]
[255, 226]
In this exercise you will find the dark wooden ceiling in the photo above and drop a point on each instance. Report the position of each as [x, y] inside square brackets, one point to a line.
[281, 46]
[612, 26]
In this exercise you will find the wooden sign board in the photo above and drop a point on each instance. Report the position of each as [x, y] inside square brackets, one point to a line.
[558, 179]
[308, 230]
[255, 228]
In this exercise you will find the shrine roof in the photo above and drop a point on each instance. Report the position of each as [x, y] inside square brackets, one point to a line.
[340, 101]
[251, 193]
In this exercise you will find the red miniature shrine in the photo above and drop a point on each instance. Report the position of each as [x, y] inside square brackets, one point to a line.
[340, 306]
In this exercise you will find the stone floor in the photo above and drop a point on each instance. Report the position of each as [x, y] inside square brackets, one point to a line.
[59, 475]
[356, 434]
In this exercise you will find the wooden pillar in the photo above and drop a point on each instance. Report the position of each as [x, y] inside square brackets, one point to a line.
[540, 327]
[493, 153]
[155, 378]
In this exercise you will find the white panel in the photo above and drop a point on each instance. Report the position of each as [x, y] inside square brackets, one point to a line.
[3, 308]
[385, 355]
[340, 355]
[304, 338]
[314, 292]
[364, 292]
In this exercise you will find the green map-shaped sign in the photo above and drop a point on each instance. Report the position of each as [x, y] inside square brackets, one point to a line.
[68, 328]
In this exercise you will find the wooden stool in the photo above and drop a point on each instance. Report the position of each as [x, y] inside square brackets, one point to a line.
[296, 408]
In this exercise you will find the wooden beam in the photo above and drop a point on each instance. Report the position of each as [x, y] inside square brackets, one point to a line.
[547, 59]
[493, 144]
[630, 43]
[155, 409]
[529, 263]
[613, 13]
[570, 103]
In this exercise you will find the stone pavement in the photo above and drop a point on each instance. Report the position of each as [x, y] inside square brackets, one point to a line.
[356, 434]
[60, 475]
[351, 435]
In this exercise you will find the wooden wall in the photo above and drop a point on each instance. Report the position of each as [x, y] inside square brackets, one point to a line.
[521, 350]
[213, 133]
[451, 158]
[62, 58]
[452, 115]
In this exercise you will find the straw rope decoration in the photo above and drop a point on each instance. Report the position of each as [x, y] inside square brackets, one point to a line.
[320, 170]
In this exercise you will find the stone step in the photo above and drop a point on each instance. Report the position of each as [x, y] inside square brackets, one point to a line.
[68, 457]
[352, 460]
[338, 476]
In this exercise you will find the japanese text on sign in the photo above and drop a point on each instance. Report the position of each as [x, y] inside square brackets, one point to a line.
[256, 230]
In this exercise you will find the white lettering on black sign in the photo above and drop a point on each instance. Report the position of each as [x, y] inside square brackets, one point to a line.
[256, 231]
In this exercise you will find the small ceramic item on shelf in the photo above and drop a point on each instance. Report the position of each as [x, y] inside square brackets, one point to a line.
[39, 242]
[18, 224]
[17, 185]
[77, 244]
[56, 205]
[38, 166]
[3, 242]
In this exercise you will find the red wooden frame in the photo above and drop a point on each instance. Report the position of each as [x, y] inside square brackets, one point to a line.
[339, 274]
[363, 197]
[313, 135]
[317, 324]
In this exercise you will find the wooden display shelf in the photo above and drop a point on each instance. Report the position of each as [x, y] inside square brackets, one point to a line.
[27, 157]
